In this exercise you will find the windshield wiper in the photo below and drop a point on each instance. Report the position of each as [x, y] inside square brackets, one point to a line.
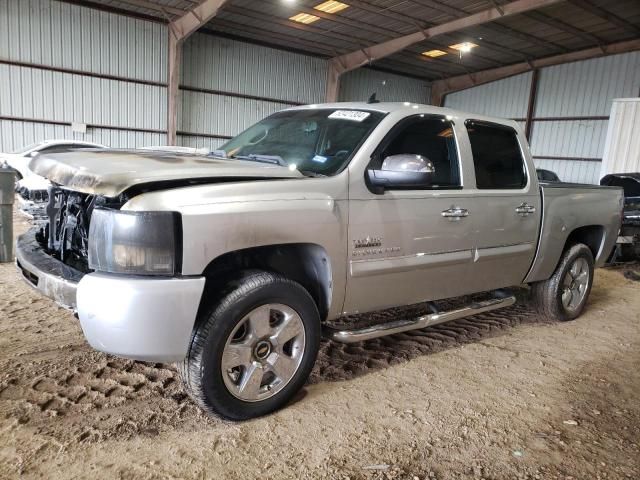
[273, 159]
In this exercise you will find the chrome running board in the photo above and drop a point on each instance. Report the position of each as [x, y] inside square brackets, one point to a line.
[399, 326]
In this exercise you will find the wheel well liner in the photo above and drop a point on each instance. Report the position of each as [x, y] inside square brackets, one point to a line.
[305, 263]
[591, 235]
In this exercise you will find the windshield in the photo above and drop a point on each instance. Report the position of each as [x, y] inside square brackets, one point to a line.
[315, 142]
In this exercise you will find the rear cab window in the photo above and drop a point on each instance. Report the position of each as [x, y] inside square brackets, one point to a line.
[497, 156]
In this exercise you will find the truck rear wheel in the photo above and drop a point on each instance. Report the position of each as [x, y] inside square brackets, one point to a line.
[254, 348]
[564, 295]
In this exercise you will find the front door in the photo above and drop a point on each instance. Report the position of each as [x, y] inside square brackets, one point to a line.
[408, 246]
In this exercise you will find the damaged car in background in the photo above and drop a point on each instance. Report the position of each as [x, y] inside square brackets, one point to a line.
[32, 189]
[628, 244]
[235, 264]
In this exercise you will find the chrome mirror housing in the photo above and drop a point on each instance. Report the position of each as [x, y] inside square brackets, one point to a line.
[404, 171]
[406, 162]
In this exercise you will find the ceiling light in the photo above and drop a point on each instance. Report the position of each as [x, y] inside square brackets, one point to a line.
[304, 18]
[331, 6]
[434, 53]
[464, 47]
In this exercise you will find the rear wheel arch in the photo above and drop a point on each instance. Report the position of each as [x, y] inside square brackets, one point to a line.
[305, 263]
[593, 236]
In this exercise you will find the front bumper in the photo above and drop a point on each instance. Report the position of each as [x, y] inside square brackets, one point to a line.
[146, 319]
[45, 273]
[141, 318]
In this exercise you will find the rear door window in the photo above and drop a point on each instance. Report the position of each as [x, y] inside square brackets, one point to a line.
[497, 157]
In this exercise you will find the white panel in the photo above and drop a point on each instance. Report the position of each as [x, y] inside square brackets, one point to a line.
[507, 98]
[622, 146]
[358, 85]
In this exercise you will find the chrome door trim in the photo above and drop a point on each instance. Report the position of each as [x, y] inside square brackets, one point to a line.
[503, 251]
[383, 266]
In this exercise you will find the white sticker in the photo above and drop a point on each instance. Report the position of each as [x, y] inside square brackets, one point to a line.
[354, 115]
[319, 159]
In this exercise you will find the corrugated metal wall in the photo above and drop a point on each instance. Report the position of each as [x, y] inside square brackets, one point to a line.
[62, 51]
[505, 98]
[256, 82]
[570, 102]
[63, 63]
[358, 85]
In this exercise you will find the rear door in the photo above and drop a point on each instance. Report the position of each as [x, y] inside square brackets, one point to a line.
[506, 206]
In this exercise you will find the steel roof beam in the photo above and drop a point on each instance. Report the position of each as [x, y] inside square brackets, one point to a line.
[350, 61]
[440, 88]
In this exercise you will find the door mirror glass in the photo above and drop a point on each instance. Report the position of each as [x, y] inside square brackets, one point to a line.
[401, 171]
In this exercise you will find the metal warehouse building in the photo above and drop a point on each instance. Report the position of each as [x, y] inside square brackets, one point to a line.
[105, 65]
[320, 239]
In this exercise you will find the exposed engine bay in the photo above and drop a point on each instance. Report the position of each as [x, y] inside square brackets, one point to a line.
[65, 235]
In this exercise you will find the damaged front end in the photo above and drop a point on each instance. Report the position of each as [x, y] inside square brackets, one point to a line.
[66, 233]
[53, 257]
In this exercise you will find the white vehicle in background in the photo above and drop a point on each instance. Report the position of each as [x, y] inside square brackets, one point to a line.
[32, 189]
[19, 160]
[178, 149]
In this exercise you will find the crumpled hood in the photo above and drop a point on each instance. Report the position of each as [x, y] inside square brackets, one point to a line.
[110, 172]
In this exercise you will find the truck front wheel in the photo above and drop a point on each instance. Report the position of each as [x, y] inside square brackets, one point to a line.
[254, 348]
[564, 295]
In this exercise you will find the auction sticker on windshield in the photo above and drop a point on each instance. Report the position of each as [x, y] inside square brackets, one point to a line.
[354, 115]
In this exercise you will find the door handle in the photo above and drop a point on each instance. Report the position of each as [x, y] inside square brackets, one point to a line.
[455, 213]
[524, 209]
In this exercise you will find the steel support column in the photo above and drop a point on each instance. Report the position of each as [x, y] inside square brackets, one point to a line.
[533, 92]
[179, 30]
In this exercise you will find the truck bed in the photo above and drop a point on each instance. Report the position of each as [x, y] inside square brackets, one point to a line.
[567, 207]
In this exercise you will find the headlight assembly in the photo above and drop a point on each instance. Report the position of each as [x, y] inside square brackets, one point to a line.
[137, 243]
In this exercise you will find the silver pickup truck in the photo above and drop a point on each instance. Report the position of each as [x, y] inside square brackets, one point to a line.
[232, 265]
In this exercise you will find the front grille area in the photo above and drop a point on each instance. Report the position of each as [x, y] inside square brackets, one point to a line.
[65, 235]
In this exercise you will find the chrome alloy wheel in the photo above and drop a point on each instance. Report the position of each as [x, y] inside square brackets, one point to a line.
[263, 352]
[575, 284]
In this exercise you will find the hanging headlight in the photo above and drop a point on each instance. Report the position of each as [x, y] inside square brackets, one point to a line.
[137, 243]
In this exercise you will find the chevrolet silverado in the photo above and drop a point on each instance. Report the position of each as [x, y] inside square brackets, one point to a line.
[232, 264]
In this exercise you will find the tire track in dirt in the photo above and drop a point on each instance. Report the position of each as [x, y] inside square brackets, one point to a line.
[58, 385]
[338, 361]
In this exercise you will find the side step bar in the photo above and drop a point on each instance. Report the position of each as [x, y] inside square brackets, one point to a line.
[399, 326]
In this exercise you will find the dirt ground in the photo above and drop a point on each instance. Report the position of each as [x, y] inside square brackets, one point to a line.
[501, 396]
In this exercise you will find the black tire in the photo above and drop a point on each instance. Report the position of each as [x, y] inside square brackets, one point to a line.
[201, 370]
[547, 295]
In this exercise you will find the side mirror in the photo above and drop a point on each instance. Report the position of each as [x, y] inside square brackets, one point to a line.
[401, 171]
[33, 154]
